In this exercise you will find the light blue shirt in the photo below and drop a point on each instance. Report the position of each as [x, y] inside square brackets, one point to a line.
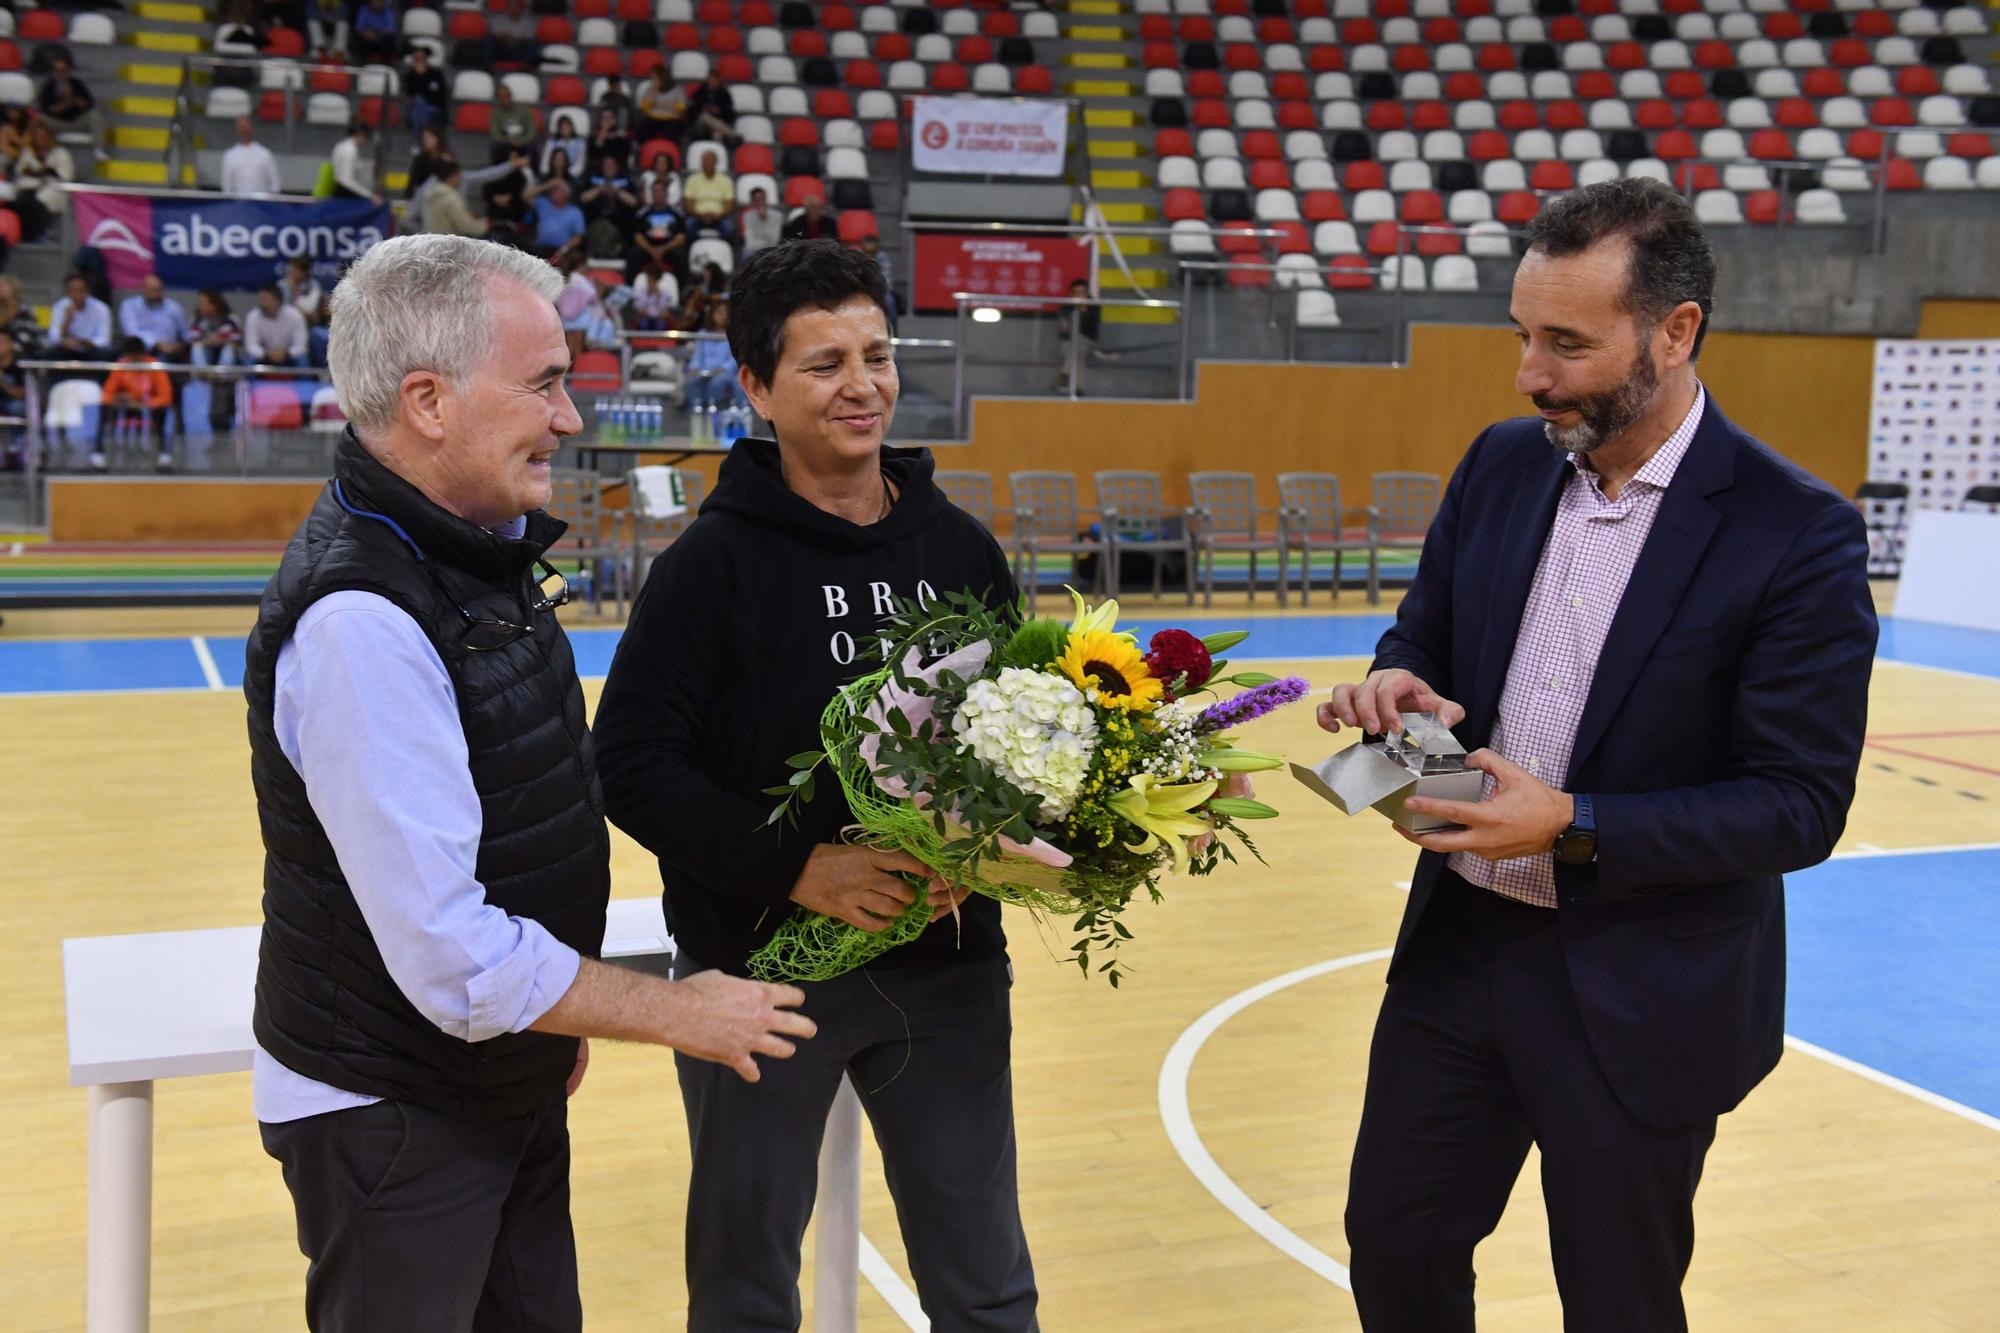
[92, 324]
[365, 711]
[153, 325]
[712, 355]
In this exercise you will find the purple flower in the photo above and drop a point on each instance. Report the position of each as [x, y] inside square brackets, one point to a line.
[1251, 704]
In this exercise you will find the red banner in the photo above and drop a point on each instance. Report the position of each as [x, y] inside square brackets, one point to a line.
[1025, 267]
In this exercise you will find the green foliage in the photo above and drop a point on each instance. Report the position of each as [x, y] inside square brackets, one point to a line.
[1036, 644]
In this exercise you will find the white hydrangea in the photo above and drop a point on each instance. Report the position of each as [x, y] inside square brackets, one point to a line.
[1034, 728]
[1178, 751]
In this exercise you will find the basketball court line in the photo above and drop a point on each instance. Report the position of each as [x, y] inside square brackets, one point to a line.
[206, 658]
[1194, 1154]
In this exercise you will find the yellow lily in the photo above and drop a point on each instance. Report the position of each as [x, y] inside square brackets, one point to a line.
[1099, 620]
[1163, 812]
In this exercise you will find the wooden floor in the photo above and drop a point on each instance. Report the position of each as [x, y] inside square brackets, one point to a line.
[1831, 1202]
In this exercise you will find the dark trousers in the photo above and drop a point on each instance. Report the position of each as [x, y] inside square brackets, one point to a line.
[1479, 1051]
[429, 1223]
[939, 1093]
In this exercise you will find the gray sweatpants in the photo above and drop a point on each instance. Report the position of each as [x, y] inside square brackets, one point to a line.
[939, 1093]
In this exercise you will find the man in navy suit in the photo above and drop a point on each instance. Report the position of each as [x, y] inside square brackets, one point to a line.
[1660, 631]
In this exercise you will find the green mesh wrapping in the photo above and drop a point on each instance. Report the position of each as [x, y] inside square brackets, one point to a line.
[812, 947]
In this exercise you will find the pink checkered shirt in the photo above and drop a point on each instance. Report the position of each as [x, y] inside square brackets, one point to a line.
[1592, 549]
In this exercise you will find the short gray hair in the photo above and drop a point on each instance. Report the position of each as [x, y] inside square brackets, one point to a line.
[418, 303]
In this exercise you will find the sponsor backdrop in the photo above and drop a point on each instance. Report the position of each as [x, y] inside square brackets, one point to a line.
[989, 136]
[1016, 266]
[233, 244]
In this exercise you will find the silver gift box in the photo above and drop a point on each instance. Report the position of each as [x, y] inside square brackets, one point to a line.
[1386, 771]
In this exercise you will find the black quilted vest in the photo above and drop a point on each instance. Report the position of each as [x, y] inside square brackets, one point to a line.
[326, 1005]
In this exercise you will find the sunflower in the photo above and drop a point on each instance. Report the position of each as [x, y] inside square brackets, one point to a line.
[1111, 670]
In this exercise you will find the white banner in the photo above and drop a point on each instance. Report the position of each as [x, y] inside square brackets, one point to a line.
[989, 137]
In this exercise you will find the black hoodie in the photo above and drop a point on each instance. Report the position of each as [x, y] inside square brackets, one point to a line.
[745, 629]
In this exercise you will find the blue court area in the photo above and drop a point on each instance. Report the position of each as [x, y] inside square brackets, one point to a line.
[1895, 962]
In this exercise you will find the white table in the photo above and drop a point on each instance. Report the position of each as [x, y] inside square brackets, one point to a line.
[1948, 565]
[176, 1004]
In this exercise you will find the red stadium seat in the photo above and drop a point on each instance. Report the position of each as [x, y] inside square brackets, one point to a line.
[1000, 23]
[891, 47]
[1242, 56]
[974, 51]
[10, 226]
[326, 79]
[1275, 30]
[1290, 85]
[1181, 205]
[1364, 176]
[1172, 143]
[1422, 208]
[1564, 115]
[725, 41]
[652, 148]
[884, 135]
[755, 159]
[1761, 207]
[1355, 278]
[1322, 206]
[1323, 58]
[1714, 55]
[756, 14]
[564, 90]
[596, 372]
[1969, 145]
[1409, 59]
[1386, 116]
[1864, 144]
[644, 61]
[1293, 239]
[1384, 238]
[1771, 146]
[856, 223]
[369, 111]
[40, 25]
[1684, 84]
[950, 78]
[1520, 116]
[1654, 114]
[465, 25]
[288, 43]
[1916, 81]
[1697, 176]
[553, 30]
[272, 406]
[1674, 146]
[1269, 174]
[1211, 114]
[1848, 53]
[838, 18]
[1783, 27]
[1488, 146]
[1440, 243]
[1156, 28]
[798, 132]
[1034, 79]
[1233, 238]
[630, 11]
[1902, 175]
[1160, 55]
[1890, 111]
[1517, 208]
[682, 37]
[1464, 86]
[1359, 32]
[1596, 85]
[1439, 31]
[1873, 23]
[1822, 83]
[1551, 177]
[271, 108]
[714, 11]
[1795, 113]
[1625, 55]
[1391, 9]
[1701, 114]
[1206, 83]
[798, 189]
[732, 68]
[832, 104]
[10, 58]
[1496, 56]
[1197, 28]
[1249, 271]
[603, 62]
[807, 43]
[861, 74]
[1262, 144]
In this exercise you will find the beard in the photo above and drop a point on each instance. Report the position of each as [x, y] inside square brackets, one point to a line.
[1604, 416]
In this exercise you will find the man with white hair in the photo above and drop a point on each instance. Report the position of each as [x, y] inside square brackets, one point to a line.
[437, 865]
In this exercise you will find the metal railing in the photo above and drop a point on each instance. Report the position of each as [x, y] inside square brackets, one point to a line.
[181, 133]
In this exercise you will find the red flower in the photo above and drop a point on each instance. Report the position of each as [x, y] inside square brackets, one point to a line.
[1174, 652]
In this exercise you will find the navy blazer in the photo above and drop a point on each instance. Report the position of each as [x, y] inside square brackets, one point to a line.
[1720, 738]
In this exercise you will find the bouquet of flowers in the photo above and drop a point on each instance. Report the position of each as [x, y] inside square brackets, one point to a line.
[1054, 766]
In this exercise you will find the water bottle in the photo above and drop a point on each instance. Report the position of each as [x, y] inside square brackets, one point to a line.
[597, 415]
[655, 418]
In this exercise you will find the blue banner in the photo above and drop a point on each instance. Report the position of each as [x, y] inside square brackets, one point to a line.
[234, 244]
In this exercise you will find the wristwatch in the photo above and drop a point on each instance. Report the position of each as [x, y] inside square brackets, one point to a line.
[1577, 844]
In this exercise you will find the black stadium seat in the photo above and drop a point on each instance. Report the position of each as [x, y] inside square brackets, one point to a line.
[1229, 205]
[818, 72]
[1728, 83]
[1270, 9]
[796, 14]
[1984, 112]
[1200, 55]
[1625, 146]
[1555, 9]
[1376, 86]
[1016, 51]
[1451, 177]
[920, 22]
[1168, 113]
[1537, 56]
[798, 160]
[639, 34]
[1943, 51]
[1351, 146]
[1827, 24]
[1652, 28]
[851, 194]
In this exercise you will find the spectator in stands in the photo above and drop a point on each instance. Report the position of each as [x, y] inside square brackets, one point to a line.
[607, 140]
[444, 207]
[762, 225]
[13, 393]
[711, 369]
[304, 293]
[510, 124]
[662, 108]
[351, 173]
[241, 29]
[42, 174]
[161, 326]
[566, 138]
[663, 169]
[560, 166]
[611, 208]
[13, 136]
[661, 235]
[1081, 322]
[18, 322]
[375, 34]
[135, 397]
[275, 334]
[710, 286]
[709, 197]
[711, 113]
[509, 209]
[248, 167]
[217, 340]
[510, 36]
[79, 323]
[559, 224]
[871, 245]
[326, 29]
[813, 223]
[63, 97]
[656, 297]
[574, 301]
[427, 159]
[425, 91]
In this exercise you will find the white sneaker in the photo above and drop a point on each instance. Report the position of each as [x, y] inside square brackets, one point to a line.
[97, 461]
[166, 460]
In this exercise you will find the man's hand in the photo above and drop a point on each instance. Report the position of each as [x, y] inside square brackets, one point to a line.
[582, 1063]
[729, 1020]
[1236, 784]
[1521, 818]
[1376, 705]
[861, 885]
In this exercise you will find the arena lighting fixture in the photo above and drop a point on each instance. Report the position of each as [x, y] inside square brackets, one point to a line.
[986, 314]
